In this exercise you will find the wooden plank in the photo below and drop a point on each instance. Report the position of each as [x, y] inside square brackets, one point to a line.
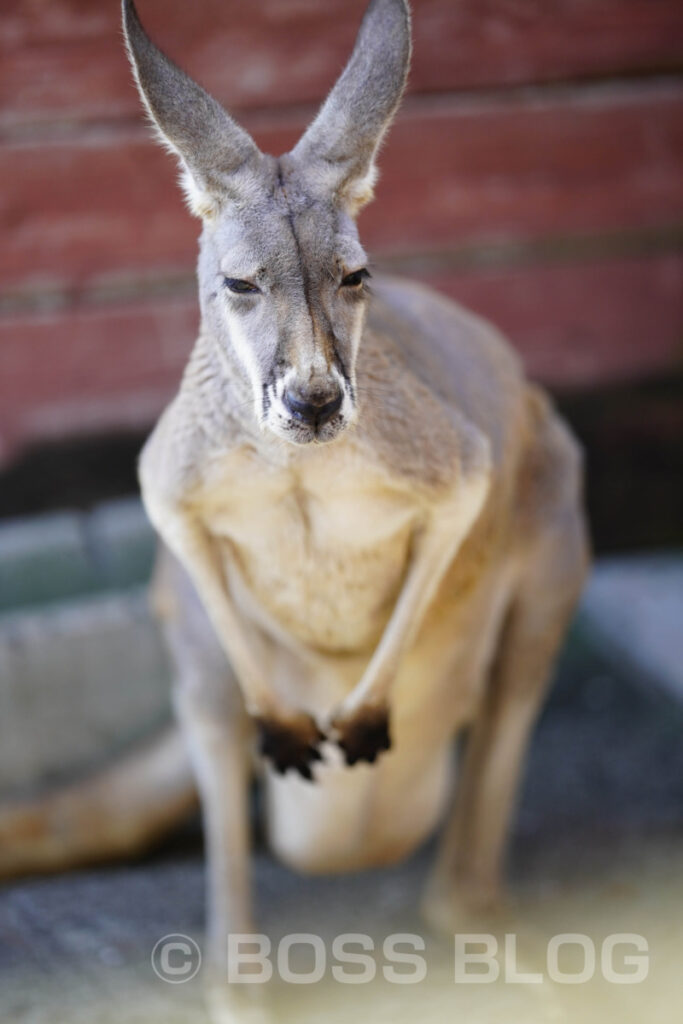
[111, 367]
[591, 160]
[64, 59]
[519, 169]
[583, 325]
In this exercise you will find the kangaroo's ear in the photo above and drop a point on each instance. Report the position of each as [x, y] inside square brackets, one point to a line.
[219, 160]
[337, 152]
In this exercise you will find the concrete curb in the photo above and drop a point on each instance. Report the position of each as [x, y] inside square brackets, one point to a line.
[633, 609]
[67, 554]
[78, 680]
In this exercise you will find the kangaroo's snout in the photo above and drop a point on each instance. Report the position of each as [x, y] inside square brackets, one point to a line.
[314, 408]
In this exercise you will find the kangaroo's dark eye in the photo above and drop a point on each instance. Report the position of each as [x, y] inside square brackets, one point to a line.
[233, 284]
[356, 278]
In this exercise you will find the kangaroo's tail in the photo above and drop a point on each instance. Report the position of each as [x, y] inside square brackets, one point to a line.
[118, 812]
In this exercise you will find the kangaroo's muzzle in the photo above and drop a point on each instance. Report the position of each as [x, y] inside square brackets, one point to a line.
[314, 409]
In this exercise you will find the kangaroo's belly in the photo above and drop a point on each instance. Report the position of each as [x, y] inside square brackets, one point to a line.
[334, 599]
[350, 820]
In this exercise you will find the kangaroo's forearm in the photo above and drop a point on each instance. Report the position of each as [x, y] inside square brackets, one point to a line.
[434, 549]
[192, 544]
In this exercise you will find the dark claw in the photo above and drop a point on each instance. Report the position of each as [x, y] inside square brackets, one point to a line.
[290, 743]
[364, 736]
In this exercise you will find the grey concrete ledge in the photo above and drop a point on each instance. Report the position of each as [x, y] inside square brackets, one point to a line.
[633, 608]
[52, 557]
[77, 680]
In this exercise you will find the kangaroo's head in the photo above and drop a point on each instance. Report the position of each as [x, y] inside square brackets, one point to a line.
[282, 276]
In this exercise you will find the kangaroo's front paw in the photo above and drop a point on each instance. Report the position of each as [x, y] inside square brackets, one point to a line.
[290, 741]
[364, 734]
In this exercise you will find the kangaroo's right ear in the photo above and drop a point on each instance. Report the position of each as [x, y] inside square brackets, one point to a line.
[219, 160]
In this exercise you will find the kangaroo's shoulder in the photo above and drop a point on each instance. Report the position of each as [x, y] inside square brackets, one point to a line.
[444, 362]
[460, 355]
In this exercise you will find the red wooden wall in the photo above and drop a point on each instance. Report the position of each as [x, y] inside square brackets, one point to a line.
[535, 173]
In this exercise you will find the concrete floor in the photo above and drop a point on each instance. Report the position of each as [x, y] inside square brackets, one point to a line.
[598, 847]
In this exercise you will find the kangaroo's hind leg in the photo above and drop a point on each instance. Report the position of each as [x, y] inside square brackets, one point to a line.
[552, 568]
[217, 729]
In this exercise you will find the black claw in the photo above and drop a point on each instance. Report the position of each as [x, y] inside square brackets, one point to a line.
[290, 743]
[365, 736]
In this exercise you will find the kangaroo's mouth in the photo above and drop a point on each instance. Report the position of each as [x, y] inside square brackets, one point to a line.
[300, 433]
[308, 415]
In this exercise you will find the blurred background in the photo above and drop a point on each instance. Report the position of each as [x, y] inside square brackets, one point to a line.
[535, 173]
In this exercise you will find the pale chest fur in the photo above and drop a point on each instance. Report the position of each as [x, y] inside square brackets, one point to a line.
[321, 542]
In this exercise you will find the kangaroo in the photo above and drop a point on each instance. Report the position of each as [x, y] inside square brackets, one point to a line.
[371, 524]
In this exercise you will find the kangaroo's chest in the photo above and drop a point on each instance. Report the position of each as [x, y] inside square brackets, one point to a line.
[322, 548]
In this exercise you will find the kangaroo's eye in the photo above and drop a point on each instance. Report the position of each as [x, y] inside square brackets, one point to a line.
[233, 284]
[356, 278]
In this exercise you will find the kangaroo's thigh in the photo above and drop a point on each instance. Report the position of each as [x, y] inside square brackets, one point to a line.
[551, 559]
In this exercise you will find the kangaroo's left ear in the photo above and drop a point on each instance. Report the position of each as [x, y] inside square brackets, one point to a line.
[337, 152]
[219, 159]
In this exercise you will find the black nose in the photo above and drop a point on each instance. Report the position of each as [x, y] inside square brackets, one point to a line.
[314, 409]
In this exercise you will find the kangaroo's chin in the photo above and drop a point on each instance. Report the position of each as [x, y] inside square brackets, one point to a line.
[302, 434]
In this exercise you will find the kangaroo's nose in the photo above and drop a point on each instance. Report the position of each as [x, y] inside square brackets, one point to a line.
[314, 409]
